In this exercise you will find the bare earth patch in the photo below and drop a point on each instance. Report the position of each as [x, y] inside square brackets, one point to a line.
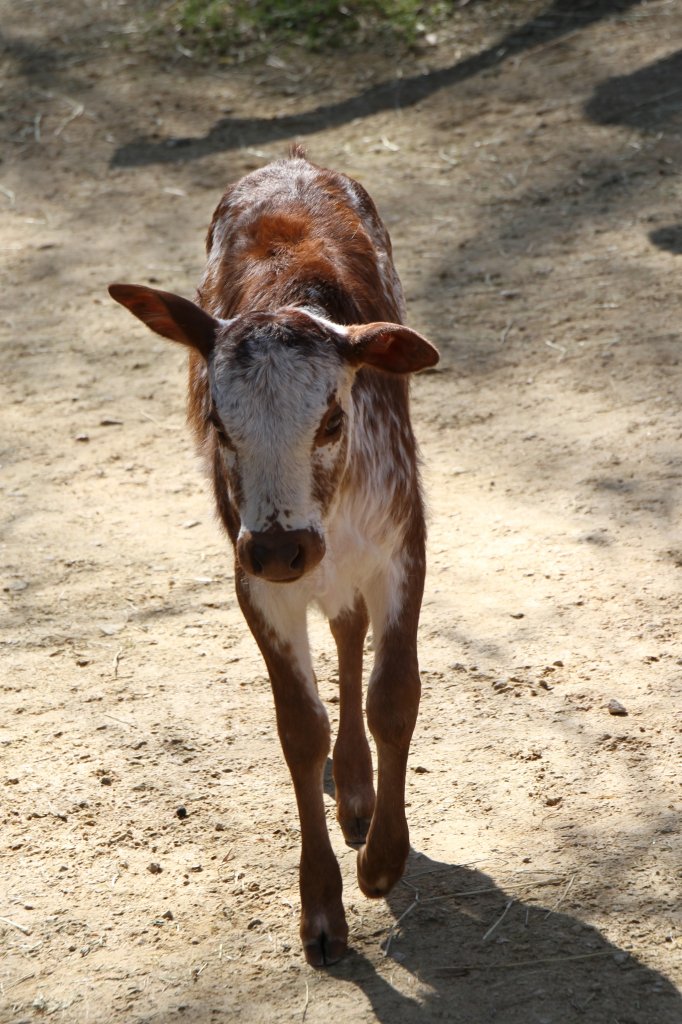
[528, 167]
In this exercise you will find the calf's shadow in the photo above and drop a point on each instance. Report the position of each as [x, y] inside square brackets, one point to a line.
[476, 954]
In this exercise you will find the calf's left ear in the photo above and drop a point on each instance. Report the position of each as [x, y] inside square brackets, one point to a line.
[391, 347]
[169, 315]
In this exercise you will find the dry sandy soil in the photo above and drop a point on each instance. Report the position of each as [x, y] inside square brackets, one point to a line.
[528, 167]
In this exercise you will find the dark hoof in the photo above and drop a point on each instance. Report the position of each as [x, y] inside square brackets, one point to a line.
[323, 951]
[355, 831]
[377, 884]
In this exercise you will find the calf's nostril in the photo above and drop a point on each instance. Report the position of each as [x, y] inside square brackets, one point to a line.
[298, 560]
[258, 559]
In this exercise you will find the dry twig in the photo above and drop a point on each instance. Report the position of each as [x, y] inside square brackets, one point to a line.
[131, 725]
[562, 897]
[505, 333]
[499, 920]
[444, 972]
[15, 924]
[394, 927]
[77, 110]
[520, 886]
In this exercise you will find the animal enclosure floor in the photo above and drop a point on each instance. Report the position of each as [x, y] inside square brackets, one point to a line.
[528, 168]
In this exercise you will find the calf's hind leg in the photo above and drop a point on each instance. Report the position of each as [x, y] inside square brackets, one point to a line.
[352, 764]
[392, 706]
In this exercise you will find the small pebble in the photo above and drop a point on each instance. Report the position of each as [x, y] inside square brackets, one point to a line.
[15, 586]
[616, 708]
[154, 869]
[181, 813]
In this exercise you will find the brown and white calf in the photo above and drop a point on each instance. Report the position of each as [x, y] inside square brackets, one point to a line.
[298, 393]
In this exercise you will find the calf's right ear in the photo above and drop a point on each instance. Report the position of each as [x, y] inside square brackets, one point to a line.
[391, 347]
[169, 315]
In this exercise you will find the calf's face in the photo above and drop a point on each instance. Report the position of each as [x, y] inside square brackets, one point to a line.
[279, 397]
[280, 392]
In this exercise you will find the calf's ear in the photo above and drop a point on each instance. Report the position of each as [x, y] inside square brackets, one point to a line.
[169, 315]
[391, 347]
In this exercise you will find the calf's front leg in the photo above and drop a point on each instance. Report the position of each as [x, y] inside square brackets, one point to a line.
[303, 729]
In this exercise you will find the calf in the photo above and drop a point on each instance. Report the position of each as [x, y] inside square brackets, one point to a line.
[298, 395]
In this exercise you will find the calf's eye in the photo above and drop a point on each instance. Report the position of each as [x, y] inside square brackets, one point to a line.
[331, 426]
[334, 422]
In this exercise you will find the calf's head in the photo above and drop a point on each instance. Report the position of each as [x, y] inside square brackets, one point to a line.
[278, 398]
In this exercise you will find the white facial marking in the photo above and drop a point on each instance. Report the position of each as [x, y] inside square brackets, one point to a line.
[338, 329]
[271, 400]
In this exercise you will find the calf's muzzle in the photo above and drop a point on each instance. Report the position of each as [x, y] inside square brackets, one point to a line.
[278, 555]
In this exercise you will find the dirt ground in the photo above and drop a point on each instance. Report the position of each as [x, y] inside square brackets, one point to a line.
[527, 164]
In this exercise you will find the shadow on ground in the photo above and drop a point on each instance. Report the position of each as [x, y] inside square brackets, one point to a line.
[480, 953]
[668, 238]
[649, 99]
[559, 19]
[467, 951]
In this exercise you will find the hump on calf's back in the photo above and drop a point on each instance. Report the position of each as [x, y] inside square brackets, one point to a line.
[298, 395]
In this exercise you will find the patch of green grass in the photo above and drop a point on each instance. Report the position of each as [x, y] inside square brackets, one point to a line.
[226, 26]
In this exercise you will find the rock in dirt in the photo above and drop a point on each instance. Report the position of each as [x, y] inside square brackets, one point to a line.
[615, 707]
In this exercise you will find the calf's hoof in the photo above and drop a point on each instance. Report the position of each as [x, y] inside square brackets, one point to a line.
[324, 934]
[355, 831]
[324, 950]
[376, 882]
